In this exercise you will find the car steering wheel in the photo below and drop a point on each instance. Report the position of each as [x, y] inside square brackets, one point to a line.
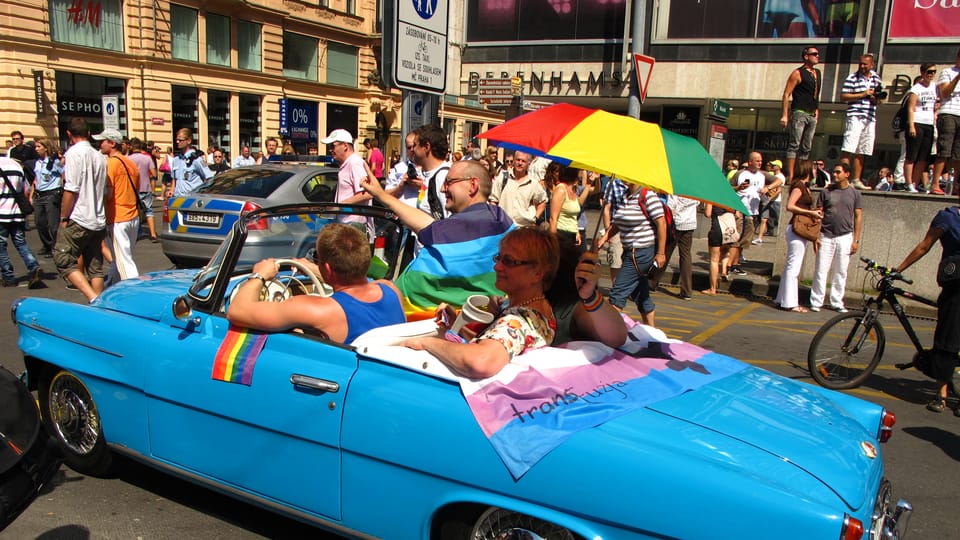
[276, 291]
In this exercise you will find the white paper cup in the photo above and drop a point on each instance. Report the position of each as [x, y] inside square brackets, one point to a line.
[473, 311]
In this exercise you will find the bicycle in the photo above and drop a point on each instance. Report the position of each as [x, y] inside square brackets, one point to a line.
[848, 347]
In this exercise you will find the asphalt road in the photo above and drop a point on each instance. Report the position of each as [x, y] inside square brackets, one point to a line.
[141, 503]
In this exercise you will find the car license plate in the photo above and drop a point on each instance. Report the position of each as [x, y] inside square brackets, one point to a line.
[206, 220]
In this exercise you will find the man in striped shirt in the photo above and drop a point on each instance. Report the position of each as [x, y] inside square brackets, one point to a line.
[643, 232]
[860, 93]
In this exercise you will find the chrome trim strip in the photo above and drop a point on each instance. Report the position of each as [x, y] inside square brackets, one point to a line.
[237, 493]
[49, 332]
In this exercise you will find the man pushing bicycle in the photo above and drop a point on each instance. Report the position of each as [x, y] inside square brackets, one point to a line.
[942, 358]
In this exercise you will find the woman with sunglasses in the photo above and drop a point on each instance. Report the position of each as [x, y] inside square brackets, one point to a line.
[524, 268]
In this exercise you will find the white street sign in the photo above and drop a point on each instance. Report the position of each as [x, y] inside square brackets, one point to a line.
[111, 111]
[421, 45]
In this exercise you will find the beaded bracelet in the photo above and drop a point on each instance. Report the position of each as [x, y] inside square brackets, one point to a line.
[593, 303]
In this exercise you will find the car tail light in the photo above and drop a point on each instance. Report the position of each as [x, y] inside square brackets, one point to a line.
[258, 225]
[166, 211]
[852, 529]
[887, 420]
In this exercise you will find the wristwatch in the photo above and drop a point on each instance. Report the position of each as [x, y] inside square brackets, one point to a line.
[254, 275]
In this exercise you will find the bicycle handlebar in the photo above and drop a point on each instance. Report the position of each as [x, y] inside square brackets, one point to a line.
[885, 272]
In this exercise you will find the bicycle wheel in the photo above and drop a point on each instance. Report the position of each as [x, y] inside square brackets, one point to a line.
[844, 352]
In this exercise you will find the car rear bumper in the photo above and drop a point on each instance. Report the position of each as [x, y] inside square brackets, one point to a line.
[193, 250]
[199, 250]
[889, 521]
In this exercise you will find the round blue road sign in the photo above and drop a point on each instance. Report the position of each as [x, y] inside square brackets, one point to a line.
[425, 8]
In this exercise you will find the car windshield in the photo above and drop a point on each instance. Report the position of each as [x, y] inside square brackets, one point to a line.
[290, 233]
[254, 182]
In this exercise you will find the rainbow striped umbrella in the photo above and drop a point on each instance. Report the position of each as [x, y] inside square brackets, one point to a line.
[635, 151]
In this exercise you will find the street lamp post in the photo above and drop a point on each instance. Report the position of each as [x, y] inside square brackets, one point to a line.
[637, 39]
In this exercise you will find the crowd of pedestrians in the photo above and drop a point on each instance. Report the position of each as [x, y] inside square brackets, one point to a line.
[86, 199]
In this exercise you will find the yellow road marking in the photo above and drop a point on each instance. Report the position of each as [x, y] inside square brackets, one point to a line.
[713, 330]
[873, 393]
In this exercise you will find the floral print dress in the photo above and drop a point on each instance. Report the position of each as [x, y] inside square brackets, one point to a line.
[520, 329]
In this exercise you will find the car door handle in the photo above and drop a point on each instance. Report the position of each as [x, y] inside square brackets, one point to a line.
[312, 382]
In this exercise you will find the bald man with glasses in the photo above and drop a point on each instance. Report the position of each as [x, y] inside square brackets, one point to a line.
[466, 188]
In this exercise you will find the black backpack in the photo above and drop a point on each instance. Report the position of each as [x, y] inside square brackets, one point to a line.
[899, 122]
[28, 456]
[436, 207]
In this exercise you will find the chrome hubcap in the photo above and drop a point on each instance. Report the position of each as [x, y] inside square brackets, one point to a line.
[74, 414]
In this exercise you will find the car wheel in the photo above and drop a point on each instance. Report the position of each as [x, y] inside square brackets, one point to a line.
[500, 524]
[71, 416]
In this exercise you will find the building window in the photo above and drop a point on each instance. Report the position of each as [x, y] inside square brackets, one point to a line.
[351, 7]
[218, 118]
[218, 39]
[299, 56]
[248, 45]
[740, 19]
[90, 23]
[185, 100]
[250, 121]
[564, 20]
[184, 37]
[82, 95]
[342, 61]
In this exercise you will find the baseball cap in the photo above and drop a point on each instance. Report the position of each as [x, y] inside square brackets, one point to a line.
[338, 135]
[109, 134]
[777, 163]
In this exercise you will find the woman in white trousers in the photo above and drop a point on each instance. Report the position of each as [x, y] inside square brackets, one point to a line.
[799, 202]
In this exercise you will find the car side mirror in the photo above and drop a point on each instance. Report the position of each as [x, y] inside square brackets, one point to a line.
[183, 311]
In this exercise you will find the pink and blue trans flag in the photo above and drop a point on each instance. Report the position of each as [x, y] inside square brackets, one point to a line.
[545, 396]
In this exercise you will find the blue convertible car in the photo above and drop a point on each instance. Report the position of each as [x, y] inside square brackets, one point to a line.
[371, 444]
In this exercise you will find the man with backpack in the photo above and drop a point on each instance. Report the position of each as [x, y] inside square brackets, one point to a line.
[640, 220]
[430, 151]
[672, 237]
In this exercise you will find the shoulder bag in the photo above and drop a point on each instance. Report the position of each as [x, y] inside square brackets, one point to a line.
[728, 228]
[948, 271]
[805, 226]
[26, 207]
[141, 208]
[899, 122]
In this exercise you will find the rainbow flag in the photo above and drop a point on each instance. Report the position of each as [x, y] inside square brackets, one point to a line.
[237, 355]
[545, 396]
[456, 260]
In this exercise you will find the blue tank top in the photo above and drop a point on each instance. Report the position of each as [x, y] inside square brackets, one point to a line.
[363, 316]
